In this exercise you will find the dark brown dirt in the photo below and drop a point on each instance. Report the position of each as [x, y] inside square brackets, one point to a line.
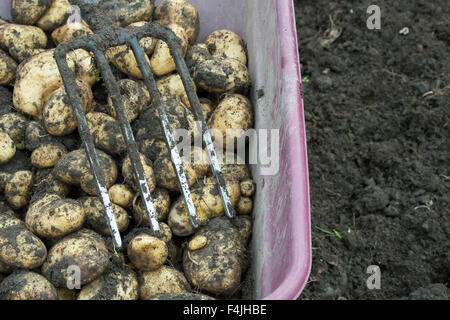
[377, 108]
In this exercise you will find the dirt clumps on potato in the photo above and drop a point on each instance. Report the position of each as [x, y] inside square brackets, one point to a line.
[18, 187]
[14, 125]
[7, 147]
[27, 285]
[128, 173]
[161, 203]
[28, 11]
[85, 249]
[226, 44]
[106, 133]
[47, 155]
[7, 68]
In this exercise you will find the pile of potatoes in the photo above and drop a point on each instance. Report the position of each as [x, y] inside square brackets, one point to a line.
[51, 220]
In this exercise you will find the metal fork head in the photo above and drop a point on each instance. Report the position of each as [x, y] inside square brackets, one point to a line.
[97, 44]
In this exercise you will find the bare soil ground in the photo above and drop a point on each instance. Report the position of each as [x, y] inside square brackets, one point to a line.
[377, 107]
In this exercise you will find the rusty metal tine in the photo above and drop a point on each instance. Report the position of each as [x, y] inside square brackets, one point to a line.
[83, 128]
[188, 84]
[114, 92]
[175, 156]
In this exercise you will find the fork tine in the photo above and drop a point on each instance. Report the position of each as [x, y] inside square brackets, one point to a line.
[114, 93]
[175, 156]
[83, 128]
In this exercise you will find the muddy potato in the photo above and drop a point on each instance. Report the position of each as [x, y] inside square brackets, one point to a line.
[7, 148]
[146, 252]
[95, 216]
[153, 148]
[125, 12]
[7, 69]
[180, 296]
[232, 117]
[172, 85]
[180, 118]
[14, 125]
[119, 283]
[85, 249]
[247, 188]
[53, 217]
[147, 43]
[39, 76]
[199, 161]
[27, 285]
[46, 182]
[122, 195]
[233, 167]
[22, 41]
[226, 44]
[55, 16]
[207, 201]
[244, 206]
[89, 185]
[165, 173]
[217, 267]
[128, 173]
[161, 61]
[207, 107]
[28, 11]
[134, 99]
[122, 58]
[106, 133]
[163, 280]
[48, 154]
[216, 74]
[19, 247]
[72, 30]
[179, 12]
[161, 203]
[35, 135]
[74, 166]
[58, 115]
[17, 189]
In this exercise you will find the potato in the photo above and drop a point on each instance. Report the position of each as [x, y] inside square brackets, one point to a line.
[197, 242]
[72, 30]
[4, 268]
[122, 195]
[85, 249]
[7, 69]
[199, 161]
[180, 118]
[53, 217]
[244, 225]
[180, 296]
[217, 267]
[244, 205]
[207, 107]
[39, 76]
[122, 58]
[161, 61]
[48, 154]
[14, 125]
[146, 252]
[232, 117]
[153, 148]
[95, 216]
[55, 16]
[247, 188]
[133, 97]
[125, 12]
[19, 247]
[163, 280]
[226, 44]
[172, 85]
[27, 285]
[88, 183]
[116, 284]
[17, 189]
[74, 167]
[179, 12]
[106, 133]
[217, 74]
[7, 148]
[21, 40]
[35, 135]
[66, 294]
[46, 182]
[207, 201]
[59, 118]
[28, 11]
[233, 167]
[161, 203]
[129, 177]
[165, 173]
